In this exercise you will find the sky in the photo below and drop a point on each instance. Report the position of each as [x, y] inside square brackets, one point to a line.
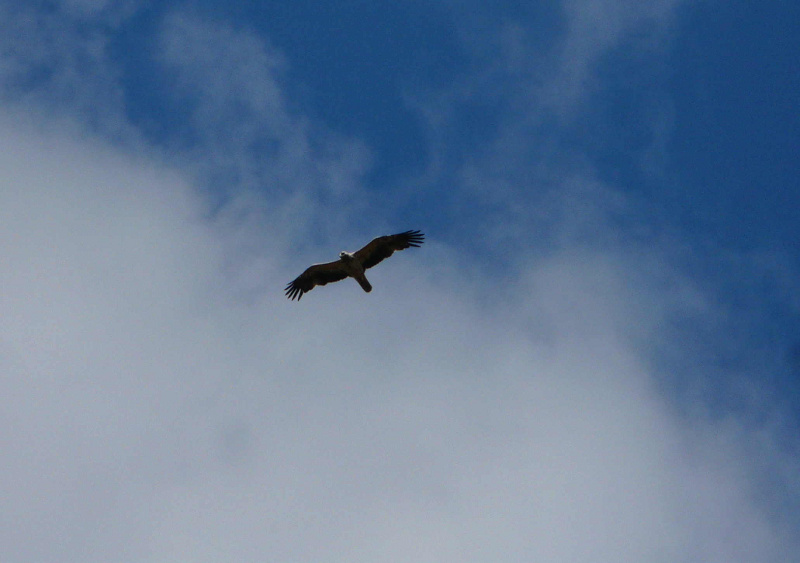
[594, 357]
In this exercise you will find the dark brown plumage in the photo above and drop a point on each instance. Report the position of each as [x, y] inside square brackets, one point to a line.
[353, 264]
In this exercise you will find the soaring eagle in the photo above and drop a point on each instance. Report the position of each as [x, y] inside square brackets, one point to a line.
[352, 264]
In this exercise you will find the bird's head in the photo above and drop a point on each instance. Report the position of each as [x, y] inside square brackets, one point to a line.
[345, 255]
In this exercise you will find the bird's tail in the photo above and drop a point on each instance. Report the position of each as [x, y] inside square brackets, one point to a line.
[365, 285]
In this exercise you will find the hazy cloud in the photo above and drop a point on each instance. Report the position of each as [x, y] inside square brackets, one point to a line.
[246, 134]
[57, 59]
[593, 28]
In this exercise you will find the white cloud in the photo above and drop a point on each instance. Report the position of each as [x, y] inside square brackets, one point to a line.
[152, 413]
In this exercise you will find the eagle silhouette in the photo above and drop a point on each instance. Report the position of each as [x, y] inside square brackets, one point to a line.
[352, 264]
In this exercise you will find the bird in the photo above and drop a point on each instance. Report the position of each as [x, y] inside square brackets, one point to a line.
[352, 264]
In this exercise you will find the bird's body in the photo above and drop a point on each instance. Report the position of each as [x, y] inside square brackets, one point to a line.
[353, 264]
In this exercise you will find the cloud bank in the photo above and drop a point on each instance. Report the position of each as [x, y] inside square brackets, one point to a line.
[163, 401]
[152, 412]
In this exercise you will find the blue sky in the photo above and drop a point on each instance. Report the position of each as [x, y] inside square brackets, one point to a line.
[595, 356]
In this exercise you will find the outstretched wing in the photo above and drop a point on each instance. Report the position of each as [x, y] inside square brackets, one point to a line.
[383, 247]
[318, 274]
